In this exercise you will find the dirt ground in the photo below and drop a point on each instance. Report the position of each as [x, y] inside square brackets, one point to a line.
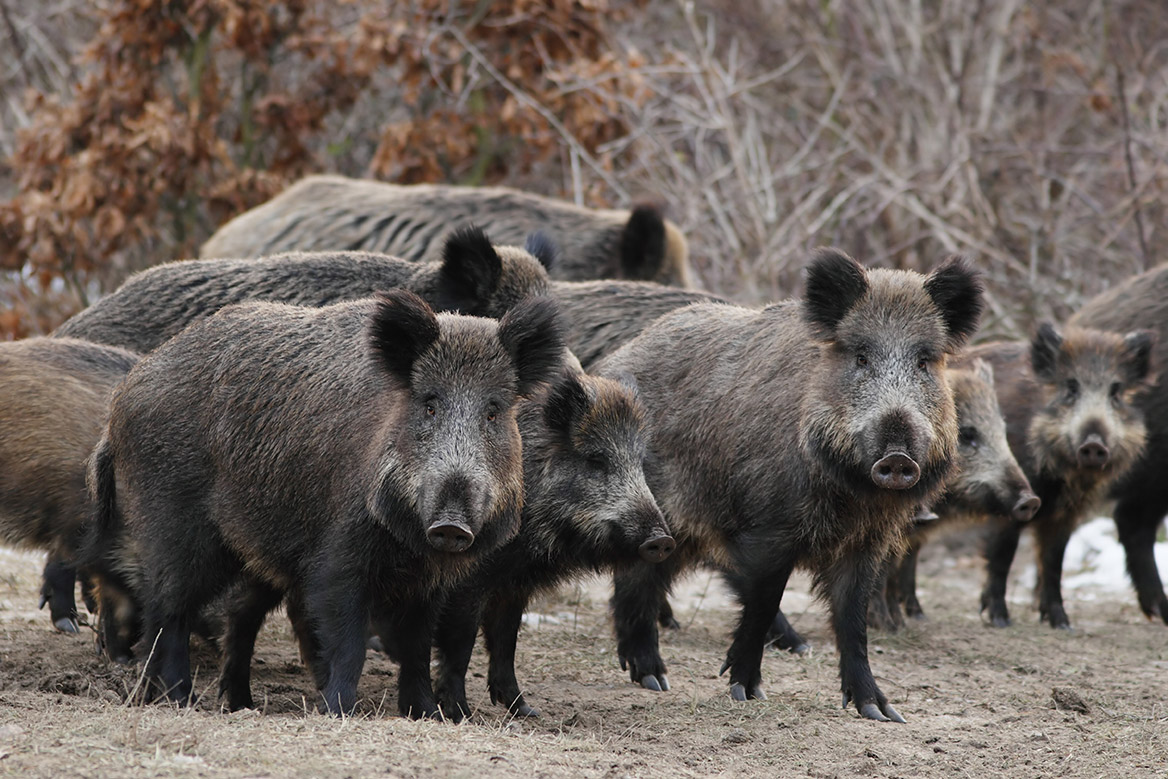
[979, 702]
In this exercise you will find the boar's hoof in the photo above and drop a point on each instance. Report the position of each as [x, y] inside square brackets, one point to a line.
[651, 682]
[450, 535]
[657, 549]
[66, 625]
[872, 711]
[896, 471]
[738, 692]
[1026, 507]
[1093, 453]
[525, 710]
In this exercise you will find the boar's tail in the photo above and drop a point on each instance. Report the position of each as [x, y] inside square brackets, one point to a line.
[101, 535]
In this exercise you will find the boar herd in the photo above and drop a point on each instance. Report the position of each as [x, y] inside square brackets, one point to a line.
[403, 433]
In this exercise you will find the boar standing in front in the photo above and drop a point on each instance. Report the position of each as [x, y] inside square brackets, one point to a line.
[805, 433]
[471, 277]
[587, 508]
[360, 457]
[1069, 400]
[988, 482]
[1142, 495]
[54, 398]
[334, 213]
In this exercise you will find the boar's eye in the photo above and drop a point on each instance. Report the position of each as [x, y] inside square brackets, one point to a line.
[862, 360]
[431, 409]
[1116, 387]
[967, 436]
[1072, 388]
[491, 414]
[597, 462]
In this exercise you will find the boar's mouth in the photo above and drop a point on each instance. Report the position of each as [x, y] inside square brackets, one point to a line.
[896, 470]
[450, 533]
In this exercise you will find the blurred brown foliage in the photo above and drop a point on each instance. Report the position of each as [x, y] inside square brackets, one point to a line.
[1031, 136]
[189, 112]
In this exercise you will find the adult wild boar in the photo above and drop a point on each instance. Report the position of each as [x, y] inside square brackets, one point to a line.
[361, 456]
[472, 277]
[1142, 495]
[1072, 421]
[587, 508]
[54, 397]
[805, 433]
[333, 213]
[988, 483]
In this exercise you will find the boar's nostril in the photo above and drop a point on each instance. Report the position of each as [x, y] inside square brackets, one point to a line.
[1093, 453]
[896, 471]
[657, 549]
[1026, 507]
[450, 535]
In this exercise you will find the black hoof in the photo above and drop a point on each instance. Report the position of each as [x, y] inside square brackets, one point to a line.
[873, 712]
[66, 625]
[526, 711]
[651, 682]
[738, 692]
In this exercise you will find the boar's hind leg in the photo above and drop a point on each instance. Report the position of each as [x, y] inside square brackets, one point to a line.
[1001, 544]
[1136, 522]
[638, 592]
[783, 635]
[454, 637]
[665, 617]
[906, 581]
[504, 615]
[245, 617]
[1052, 547]
[410, 625]
[57, 590]
[850, 580]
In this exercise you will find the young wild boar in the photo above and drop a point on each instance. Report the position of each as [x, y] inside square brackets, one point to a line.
[361, 456]
[333, 213]
[1071, 420]
[1142, 495]
[587, 508]
[806, 434]
[472, 277]
[988, 482]
[54, 397]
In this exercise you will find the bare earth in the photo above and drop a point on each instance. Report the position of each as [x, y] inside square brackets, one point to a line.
[1027, 701]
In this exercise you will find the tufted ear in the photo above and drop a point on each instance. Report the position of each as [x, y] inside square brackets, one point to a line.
[470, 273]
[983, 370]
[403, 327]
[1044, 351]
[542, 248]
[532, 333]
[642, 247]
[566, 403]
[835, 283]
[1136, 360]
[956, 290]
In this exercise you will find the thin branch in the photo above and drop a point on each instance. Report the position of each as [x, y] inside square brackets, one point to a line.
[1131, 167]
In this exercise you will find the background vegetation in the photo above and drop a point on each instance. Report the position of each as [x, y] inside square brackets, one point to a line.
[1030, 135]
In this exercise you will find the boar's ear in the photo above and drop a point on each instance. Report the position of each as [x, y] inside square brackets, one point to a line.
[532, 333]
[470, 271]
[1136, 360]
[1044, 351]
[956, 290]
[402, 328]
[628, 381]
[642, 247]
[542, 248]
[835, 283]
[983, 370]
[567, 401]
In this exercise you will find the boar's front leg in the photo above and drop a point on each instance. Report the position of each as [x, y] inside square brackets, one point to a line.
[639, 589]
[245, 617]
[454, 638]
[1052, 548]
[1136, 520]
[336, 607]
[168, 645]
[504, 615]
[409, 624]
[1001, 545]
[850, 581]
[759, 592]
[57, 588]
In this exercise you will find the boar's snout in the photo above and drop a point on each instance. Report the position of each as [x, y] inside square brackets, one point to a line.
[450, 533]
[657, 548]
[1093, 453]
[1026, 507]
[895, 470]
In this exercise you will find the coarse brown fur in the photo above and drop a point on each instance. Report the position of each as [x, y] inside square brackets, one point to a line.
[1142, 495]
[54, 399]
[333, 213]
[347, 455]
[1063, 396]
[770, 433]
[471, 277]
